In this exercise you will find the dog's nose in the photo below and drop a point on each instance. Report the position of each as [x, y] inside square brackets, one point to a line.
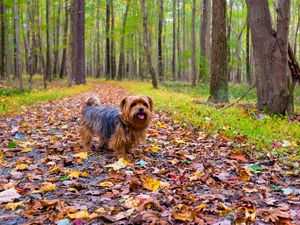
[141, 109]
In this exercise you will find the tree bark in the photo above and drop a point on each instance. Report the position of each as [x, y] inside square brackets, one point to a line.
[107, 46]
[121, 71]
[98, 60]
[2, 41]
[219, 62]
[17, 61]
[193, 59]
[112, 44]
[146, 45]
[248, 73]
[159, 41]
[77, 43]
[47, 78]
[174, 42]
[203, 35]
[39, 38]
[178, 43]
[271, 56]
[56, 41]
[65, 42]
[29, 44]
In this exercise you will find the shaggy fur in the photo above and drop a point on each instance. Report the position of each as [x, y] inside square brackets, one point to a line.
[118, 128]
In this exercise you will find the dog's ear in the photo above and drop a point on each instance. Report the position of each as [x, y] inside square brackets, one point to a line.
[150, 103]
[123, 103]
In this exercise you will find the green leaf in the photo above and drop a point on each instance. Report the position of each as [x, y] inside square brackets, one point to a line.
[12, 144]
[276, 188]
[255, 168]
[64, 178]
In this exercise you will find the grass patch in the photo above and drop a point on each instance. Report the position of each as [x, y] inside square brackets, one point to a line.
[233, 122]
[13, 100]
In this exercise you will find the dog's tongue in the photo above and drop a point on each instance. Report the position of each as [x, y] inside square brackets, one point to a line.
[141, 116]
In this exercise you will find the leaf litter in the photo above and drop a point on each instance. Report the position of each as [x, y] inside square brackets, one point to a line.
[180, 175]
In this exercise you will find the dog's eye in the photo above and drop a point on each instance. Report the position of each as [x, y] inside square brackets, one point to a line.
[145, 104]
[132, 105]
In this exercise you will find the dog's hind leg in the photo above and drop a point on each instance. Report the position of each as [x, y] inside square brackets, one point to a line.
[86, 137]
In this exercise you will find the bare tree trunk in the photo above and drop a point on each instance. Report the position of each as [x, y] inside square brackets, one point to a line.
[183, 60]
[146, 45]
[174, 42]
[112, 44]
[47, 77]
[193, 59]
[159, 41]
[271, 56]
[229, 23]
[56, 40]
[297, 31]
[219, 62]
[29, 44]
[121, 71]
[248, 73]
[18, 70]
[203, 35]
[65, 42]
[2, 39]
[98, 60]
[107, 32]
[39, 38]
[178, 43]
[77, 75]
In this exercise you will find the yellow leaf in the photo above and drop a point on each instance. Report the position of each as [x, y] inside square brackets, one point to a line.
[45, 188]
[196, 176]
[76, 174]
[26, 150]
[54, 169]
[14, 205]
[22, 167]
[151, 184]
[155, 148]
[121, 163]
[83, 215]
[198, 208]
[106, 184]
[183, 213]
[73, 190]
[82, 155]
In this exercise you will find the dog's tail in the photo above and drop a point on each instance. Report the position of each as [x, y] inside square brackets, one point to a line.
[90, 102]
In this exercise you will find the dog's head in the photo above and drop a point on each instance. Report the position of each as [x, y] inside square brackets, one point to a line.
[136, 110]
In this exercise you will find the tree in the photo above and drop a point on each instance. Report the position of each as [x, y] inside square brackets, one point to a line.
[146, 45]
[98, 63]
[193, 59]
[48, 54]
[56, 40]
[174, 42]
[107, 44]
[219, 78]
[77, 42]
[112, 43]
[270, 50]
[29, 44]
[159, 41]
[17, 60]
[65, 41]
[2, 40]
[121, 71]
[203, 33]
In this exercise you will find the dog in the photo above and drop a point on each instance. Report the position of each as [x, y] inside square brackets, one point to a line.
[119, 129]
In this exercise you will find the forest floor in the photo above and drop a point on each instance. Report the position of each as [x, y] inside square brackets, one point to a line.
[187, 176]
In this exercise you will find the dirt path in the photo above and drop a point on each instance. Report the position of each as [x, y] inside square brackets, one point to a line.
[190, 177]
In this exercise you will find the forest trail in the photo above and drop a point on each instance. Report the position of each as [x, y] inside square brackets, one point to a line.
[189, 176]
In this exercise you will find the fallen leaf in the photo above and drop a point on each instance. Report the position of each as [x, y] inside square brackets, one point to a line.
[8, 195]
[45, 188]
[151, 184]
[22, 167]
[82, 155]
[14, 205]
[183, 213]
[120, 164]
[106, 184]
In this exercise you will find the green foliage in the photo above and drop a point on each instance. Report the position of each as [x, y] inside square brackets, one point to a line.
[234, 122]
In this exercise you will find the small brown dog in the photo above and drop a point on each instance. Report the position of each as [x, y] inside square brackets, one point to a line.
[118, 129]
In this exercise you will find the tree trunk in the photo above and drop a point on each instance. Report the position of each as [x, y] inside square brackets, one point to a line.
[219, 62]
[107, 46]
[65, 42]
[77, 75]
[229, 23]
[174, 42]
[98, 60]
[178, 43]
[121, 71]
[56, 40]
[112, 39]
[193, 59]
[2, 41]
[29, 44]
[248, 73]
[183, 60]
[47, 77]
[39, 38]
[146, 45]
[159, 42]
[271, 56]
[203, 35]
[297, 31]
[18, 70]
